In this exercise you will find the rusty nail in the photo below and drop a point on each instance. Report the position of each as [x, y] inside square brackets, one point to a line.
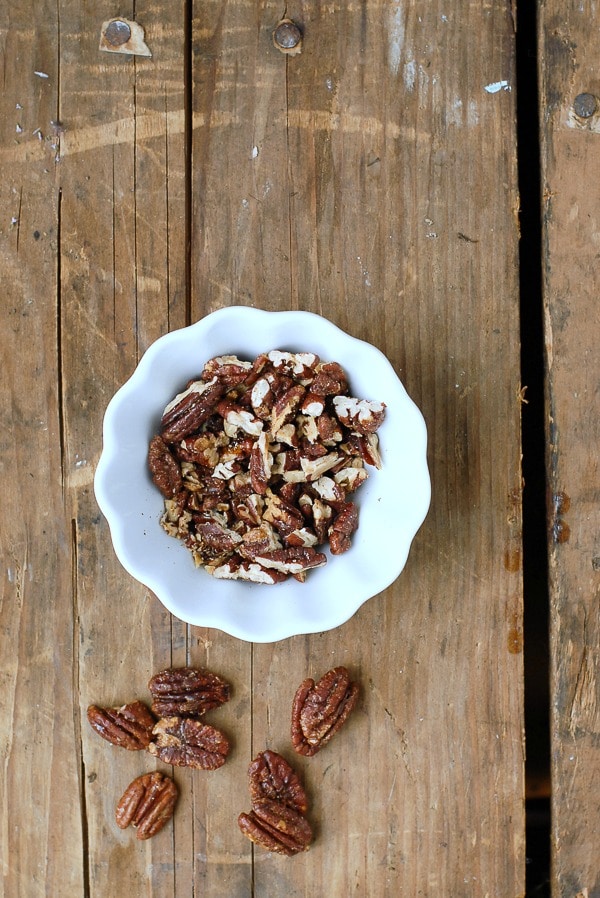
[117, 33]
[287, 37]
[584, 105]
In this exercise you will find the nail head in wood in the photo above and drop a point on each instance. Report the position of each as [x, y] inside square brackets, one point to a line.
[117, 33]
[287, 37]
[584, 105]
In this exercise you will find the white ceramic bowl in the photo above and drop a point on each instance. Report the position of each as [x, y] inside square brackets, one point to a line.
[393, 502]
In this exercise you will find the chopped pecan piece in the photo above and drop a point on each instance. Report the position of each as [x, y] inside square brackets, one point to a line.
[129, 726]
[276, 827]
[147, 803]
[359, 415]
[190, 409]
[344, 525]
[293, 560]
[166, 473]
[272, 777]
[186, 742]
[187, 691]
[320, 709]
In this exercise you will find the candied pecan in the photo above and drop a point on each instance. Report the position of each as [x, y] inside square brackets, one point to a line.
[184, 415]
[331, 380]
[285, 406]
[186, 691]
[292, 560]
[228, 369]
[186, 742]
[271, 776]
[320, 709]
[261, 463]
[344, 525]
[276, 827]
[147, 803]
[129, 726]
[166, 473]
[359, 415]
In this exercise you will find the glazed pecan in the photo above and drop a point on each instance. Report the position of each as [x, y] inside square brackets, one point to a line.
[190, 409]
[186, 742]
[271, 776]
[276, 827]
[320, 709]
[187, 691]
[147, 803]
[166, 473]
[129, 726]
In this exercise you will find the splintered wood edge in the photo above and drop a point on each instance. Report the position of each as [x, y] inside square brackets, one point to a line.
[134, 46]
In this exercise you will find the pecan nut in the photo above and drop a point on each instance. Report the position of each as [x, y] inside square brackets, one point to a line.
[190, 409]
[129, 727]
[320, 709]
[187, 691]
[147, 804]
[166, 473]
[276, 827]
[185, 742]
[270, 776]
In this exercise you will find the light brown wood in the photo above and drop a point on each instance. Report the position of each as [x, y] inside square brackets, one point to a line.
[370, 178]
[571, 176]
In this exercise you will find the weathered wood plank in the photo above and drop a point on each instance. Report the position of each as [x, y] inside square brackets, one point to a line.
[372, 178]
[570, 49]
[123, 273]
[40, 775]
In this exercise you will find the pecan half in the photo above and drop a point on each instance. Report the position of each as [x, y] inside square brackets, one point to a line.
[129, 726]
[166, 473]
[186, 742]
[276, 827]
[320, 709]
[186, 691]
[272, 777]
[147, 803]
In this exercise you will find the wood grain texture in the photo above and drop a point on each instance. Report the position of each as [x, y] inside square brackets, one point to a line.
[372, 179]
[571, 177]
[374, 184]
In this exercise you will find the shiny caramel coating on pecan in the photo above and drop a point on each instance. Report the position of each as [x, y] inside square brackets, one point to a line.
[270, 776]
[129, 726]
[185, 742]
[166, 473]
[276, 827]
[320, 709]
[187, 691]
[147, 804]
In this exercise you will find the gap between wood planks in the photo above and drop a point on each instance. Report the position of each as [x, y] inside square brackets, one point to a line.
[536, 599]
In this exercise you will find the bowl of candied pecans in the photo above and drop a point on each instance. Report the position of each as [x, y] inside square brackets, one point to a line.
[263, 473]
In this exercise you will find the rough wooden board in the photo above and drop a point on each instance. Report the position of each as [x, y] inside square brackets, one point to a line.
[570, 49]
[37, 772]
[372, 178]
[301, 170]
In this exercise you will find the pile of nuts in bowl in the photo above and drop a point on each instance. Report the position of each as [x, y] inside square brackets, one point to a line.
[257, 462]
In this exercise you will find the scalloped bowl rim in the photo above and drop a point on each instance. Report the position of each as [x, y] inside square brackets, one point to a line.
[393, 501]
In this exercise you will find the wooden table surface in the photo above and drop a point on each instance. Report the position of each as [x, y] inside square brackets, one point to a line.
[372, 178]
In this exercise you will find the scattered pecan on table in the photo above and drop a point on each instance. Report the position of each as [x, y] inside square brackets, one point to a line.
[148, 804]
[186, 742]
[187, 691]
[257, 463]
[320, 709]
[276, 821]
[129, 726]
